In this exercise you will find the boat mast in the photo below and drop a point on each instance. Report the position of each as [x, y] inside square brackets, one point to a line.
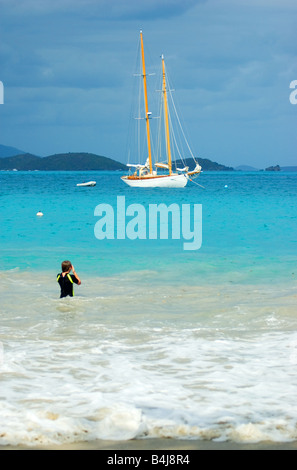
[146, 106]
[166, 118]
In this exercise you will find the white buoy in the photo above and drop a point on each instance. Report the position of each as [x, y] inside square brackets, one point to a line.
[226, 186]
[39, 214]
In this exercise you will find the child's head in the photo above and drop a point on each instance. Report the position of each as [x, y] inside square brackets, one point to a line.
[66, 266]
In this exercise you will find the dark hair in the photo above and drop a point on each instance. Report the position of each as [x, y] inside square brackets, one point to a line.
[66, 265]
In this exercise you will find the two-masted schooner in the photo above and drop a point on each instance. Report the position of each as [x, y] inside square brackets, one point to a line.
[158, 174]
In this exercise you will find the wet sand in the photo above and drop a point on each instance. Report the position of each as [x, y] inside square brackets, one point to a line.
[149, 445]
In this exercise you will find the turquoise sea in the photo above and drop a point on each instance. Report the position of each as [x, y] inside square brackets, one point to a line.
[158, 341]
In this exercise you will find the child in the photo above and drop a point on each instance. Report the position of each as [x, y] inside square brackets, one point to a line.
[66, 280]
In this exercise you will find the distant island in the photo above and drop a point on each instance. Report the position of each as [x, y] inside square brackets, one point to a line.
[83, 162]
[60, 162]
[289, 168]
[12, 158]
[6, 151]
[273, 168]
[269, 168]
[207, 165]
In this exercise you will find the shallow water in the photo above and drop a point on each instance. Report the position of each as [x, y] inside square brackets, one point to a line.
[157, 342]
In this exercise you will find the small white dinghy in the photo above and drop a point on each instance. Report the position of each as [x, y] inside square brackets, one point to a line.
[89, 183]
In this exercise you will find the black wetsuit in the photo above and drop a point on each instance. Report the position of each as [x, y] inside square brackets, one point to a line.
[66, 284]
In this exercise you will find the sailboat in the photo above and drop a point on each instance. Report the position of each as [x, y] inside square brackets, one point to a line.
[159, 174]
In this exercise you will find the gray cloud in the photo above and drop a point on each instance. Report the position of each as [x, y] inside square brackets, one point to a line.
[67, 68]
[115, 9]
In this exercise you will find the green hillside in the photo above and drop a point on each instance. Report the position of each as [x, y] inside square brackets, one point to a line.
[207, 165]
[84, 162]
[22, 162]
[80, 162]
[60, 162]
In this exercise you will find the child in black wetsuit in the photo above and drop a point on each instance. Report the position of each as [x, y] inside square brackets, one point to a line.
[66, 280]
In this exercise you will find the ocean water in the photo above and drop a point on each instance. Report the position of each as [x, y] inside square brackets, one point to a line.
[158, 341]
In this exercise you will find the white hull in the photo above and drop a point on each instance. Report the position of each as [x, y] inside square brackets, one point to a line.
[168, 181]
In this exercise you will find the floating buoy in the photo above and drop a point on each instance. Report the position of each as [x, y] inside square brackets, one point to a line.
[39, 214]
[226, 186]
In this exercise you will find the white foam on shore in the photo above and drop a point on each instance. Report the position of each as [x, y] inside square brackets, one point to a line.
[119, 363]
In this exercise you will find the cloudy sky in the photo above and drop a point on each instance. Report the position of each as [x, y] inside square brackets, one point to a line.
[67, 67]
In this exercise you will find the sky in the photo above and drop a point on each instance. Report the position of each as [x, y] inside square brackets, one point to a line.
[67, 68]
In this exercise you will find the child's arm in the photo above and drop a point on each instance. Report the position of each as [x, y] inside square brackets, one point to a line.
[74, 273]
